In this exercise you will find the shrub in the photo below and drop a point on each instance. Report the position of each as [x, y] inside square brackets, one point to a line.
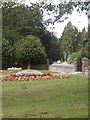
[77, 54]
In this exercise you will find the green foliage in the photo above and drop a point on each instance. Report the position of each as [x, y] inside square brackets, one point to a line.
[86, 51]
[77, 54]
[50, 42]
[20, 20]
[7, 52]
[63, 8]
[30, 48]
[71, 40]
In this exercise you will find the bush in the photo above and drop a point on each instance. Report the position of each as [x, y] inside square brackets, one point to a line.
[77, 54]
[86, 51]
[29, 49]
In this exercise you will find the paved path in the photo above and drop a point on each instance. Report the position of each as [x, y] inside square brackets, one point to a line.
[80, 74]
[71, 73]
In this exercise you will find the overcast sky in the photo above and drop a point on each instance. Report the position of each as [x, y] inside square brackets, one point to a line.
[80, 21]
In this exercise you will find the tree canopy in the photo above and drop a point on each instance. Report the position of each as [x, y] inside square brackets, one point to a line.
[19, 21]
[73, 40]
[30, 49]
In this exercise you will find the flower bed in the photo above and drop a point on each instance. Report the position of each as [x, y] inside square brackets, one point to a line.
[15, 77]
[28, 75]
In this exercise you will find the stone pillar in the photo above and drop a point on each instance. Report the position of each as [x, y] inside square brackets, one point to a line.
[85, 65]
[75, 64]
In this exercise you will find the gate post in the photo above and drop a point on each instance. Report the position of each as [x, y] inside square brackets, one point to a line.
[84, 65]
[75, 64]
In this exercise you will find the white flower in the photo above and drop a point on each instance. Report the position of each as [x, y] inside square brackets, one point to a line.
[14, 68]
[25, 72]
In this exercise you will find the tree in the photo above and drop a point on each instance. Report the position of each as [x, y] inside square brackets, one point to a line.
[84, 35]
[86, 51]
[20, 20]
[50, 42]
[86, 43]
[61, 10]
[17, 24]
[6, 53]
[30, 49]
[70, 40]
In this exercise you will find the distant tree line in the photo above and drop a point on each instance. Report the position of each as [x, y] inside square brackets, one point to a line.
[74, 43]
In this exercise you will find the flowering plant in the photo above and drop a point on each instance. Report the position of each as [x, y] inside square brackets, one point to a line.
[14, 68]
[31, 77]
[29, 72]
[10, 70]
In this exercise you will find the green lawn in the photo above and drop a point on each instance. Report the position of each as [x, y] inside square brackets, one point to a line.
[57, 98]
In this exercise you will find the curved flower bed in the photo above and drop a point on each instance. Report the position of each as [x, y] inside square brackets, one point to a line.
[31, 77]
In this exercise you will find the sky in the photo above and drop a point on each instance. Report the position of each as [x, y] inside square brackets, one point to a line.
[78, 20]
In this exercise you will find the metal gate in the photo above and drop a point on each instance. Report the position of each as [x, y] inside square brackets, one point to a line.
[79, 64]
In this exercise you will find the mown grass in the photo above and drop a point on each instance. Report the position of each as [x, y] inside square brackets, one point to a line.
[56, 98]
